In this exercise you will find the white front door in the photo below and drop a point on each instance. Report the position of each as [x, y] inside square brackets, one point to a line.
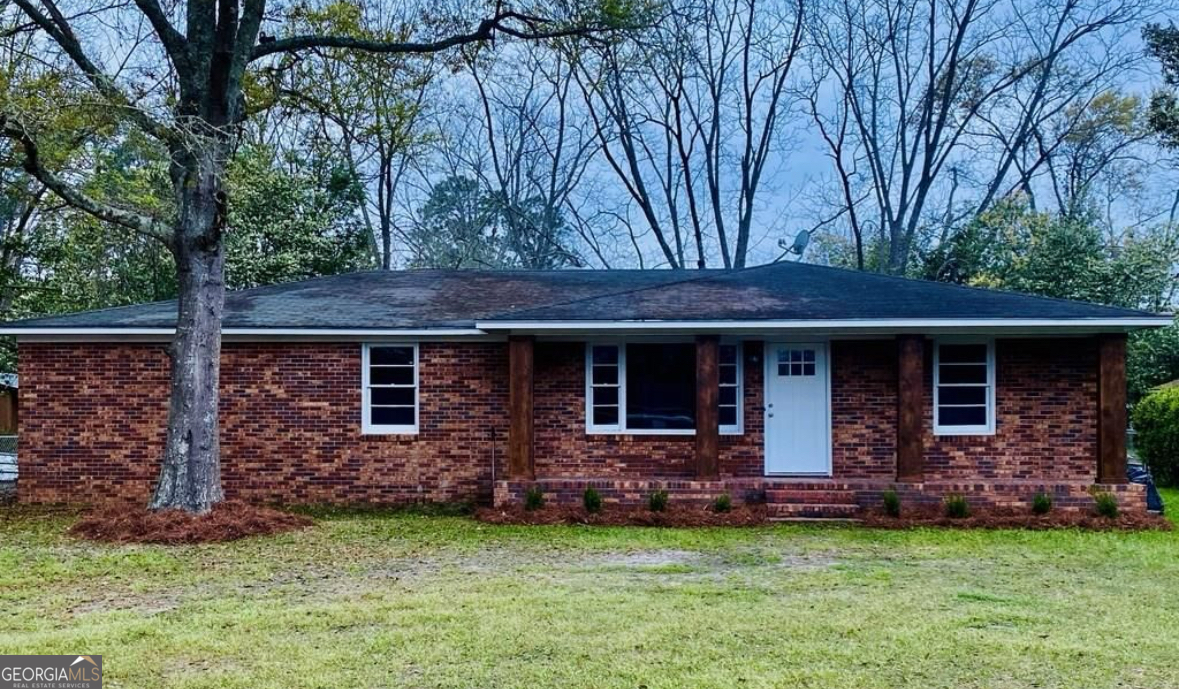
[798, 434]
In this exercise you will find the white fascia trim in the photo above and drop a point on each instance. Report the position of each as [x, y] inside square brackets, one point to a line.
[280, 332]
[484, 328]
[851, 324]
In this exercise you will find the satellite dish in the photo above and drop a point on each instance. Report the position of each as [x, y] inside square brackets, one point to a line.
[800, 241]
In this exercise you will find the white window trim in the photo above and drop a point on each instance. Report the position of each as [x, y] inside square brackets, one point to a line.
[620, 428]
[368, 428]
[989, 427]
[739, 427]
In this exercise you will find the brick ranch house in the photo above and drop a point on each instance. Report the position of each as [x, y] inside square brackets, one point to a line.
[811, 387]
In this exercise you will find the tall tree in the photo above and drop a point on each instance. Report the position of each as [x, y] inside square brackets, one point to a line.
[1163, 44]
[370, 109]
[916, 99]
[690, 117]
[538, 146]
[181, 84]
[291, 221]
[458, 228]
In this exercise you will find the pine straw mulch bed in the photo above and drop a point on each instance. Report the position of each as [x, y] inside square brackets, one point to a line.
[751, 515]
[757, 515]
[228, 521]
[1009, 518]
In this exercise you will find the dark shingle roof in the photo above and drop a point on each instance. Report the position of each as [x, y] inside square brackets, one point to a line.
[431, 299]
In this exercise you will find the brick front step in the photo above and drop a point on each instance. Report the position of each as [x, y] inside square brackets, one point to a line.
[813, 510]
[819, 496]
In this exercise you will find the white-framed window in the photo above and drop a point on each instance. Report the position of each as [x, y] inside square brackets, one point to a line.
[650, 388]
[964, 387]
[389, 383]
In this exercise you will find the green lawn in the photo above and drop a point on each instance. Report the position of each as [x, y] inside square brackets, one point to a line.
[367, 600]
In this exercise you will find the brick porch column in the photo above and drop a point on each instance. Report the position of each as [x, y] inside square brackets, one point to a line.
[521, 462]
[707, 406]
[910, 408]
[1111, 396]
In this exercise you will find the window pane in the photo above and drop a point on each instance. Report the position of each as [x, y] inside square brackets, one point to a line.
[728, 396]
[728, 416]
[605, 354]
[728, 354]
[796, 369]
[606, 396]
[783, 369]
[962, 416]
[808, 355]
[605, 416]
[970, 395]
[392, 416]
[605, 375]
[728, 375]
[962, 373]
[661, 386]
[397, 396]
[963, 354]
[398, 356]
[399, 375]
[808, 369]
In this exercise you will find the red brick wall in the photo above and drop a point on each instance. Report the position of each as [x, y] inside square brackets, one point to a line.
[93, 418]
[290, 424]
[1046, 414]
[564, 449]
[1046, 417]
[864, 409]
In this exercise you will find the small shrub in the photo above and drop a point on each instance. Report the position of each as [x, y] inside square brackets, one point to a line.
[533, 499]
[592, 500]
[1105, 504]
[723, 503]
[892, 503]
[957, 507]
[1042, 503]
[1156, 434]
[657, 502]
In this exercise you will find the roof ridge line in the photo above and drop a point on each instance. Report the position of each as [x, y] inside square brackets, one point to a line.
[634, 290]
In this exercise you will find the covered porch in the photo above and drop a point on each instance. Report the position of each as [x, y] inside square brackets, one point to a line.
[911, 462]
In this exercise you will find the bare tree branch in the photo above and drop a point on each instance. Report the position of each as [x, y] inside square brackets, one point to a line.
[530, 28]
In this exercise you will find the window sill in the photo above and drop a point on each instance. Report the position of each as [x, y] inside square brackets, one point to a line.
[951, 432]
[389, 430]
[652, 431]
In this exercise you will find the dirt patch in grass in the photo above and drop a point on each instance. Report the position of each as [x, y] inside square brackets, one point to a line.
[752, 515]
[228, 521]
[1015, 519]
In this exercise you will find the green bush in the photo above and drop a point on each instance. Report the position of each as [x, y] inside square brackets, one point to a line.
[892, 503]
[658, 501]
[592, 500]
[957, 507]
[723, 503]
[1042, 503]
[1105, 504]
[533, 499]
[1156, 437]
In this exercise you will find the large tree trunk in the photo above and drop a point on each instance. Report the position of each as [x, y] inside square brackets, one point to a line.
[190, 478]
